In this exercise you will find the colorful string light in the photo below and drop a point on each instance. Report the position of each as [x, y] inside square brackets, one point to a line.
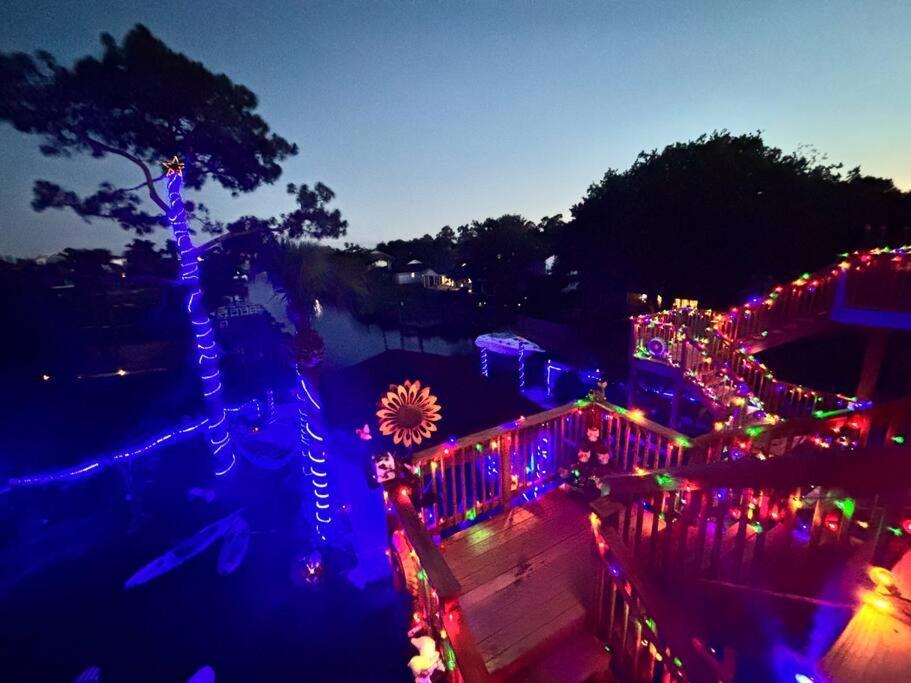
[716, 337]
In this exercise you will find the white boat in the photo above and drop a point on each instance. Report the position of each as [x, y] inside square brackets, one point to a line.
[506, 343]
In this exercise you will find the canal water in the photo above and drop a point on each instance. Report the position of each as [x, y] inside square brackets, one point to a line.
[349, 341]
[66, 551]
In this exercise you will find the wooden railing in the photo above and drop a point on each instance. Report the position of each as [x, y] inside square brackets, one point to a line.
[421, 570]
[649, 638]
[715, 521]
[871, 426]
[727, 375]
[804, 299]
[890, 290]
[754, 526]
[875, 279]
[783, 399]
[714, 349]
[479, 473]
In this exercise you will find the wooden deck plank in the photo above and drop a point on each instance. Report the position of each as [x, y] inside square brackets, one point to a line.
[578, 657]
[526, 577]
[514, 554]
[510, 598]
[568, 620]
[479, 538]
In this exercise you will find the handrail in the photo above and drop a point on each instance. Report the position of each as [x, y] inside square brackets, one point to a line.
[652, 617]
[812, 294]
[882, 421]
[666, 432]
[436, 597]
[490, 433]
[689, 355]
[729, 337]
[439, 574]
[726, 521]
[845, 470]
[478, 473]
[745, 379]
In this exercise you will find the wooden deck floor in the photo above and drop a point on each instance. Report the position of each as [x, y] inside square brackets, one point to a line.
[526, 579]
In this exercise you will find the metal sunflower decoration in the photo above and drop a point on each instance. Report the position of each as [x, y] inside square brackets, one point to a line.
[408, 412]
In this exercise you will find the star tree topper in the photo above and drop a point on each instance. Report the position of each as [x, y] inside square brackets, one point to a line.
[173, 166]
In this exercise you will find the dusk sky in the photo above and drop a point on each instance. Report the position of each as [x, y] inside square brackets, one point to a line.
[422, 114]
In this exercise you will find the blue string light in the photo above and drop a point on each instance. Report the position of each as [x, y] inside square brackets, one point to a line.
[550, 369]
[485, 363]
[99, 464]
[217, 434]
[521, 366]
[315, 455]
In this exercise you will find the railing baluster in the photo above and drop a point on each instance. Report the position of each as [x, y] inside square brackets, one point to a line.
[434, 466]
[740, 542]
[705, 501]
[462, 465]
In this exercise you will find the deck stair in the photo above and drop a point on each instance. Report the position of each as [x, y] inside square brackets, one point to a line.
[713, 351]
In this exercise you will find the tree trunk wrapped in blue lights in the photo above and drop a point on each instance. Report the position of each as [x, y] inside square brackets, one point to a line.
[217, 435]
[307, 349]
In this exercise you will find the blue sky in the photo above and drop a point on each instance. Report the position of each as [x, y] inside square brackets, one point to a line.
[422, 114]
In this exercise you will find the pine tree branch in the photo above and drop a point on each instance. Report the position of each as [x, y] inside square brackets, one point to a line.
[149, 181]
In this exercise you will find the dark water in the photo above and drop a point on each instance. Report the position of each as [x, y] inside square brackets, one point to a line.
[349, 341]
[64, 608]
[66, 551]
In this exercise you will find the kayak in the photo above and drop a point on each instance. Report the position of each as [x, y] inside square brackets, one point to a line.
[234, 547]
[182, 552]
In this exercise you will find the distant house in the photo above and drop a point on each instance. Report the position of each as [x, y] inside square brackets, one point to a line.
[413, 273]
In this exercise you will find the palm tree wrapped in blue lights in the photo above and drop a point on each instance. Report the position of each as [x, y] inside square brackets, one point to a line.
[307, 353]
[207, 359]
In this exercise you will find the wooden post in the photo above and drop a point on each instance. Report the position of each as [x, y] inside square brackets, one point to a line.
[598, 613]
[611, 613]
[679, 384]
[505, 471]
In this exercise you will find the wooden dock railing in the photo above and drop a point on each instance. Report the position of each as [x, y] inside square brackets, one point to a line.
[714, 349]
[871, 426]
[734, 526]
[714, 521]
[728, 375]
[650, 639]
[421, 570]
[877, 279]
[489, 470]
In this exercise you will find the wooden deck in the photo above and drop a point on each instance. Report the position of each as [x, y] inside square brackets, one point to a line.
[526, 579]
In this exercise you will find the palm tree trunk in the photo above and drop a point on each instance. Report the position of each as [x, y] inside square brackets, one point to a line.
[217, 434]
[314, 453]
